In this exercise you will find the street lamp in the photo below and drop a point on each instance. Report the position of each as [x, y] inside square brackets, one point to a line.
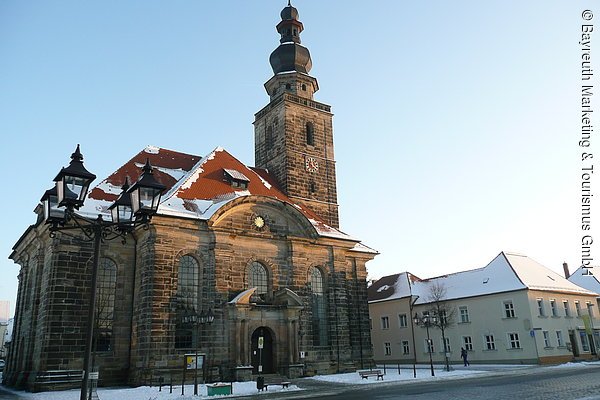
[60, 205]
[192, 318]
[412, 329]
[427, 321]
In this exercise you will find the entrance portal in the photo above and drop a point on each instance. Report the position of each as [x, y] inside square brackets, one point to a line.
[573, 344]
[262, 351]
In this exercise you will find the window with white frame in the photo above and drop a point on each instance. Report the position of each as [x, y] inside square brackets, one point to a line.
[559, 339]
[442, 317]
[402, 320]
[468, 343]
[385, 322]
[540, 305]
[566, 308]
[546, 336]
[509, 309]
[513, 340]
[429, 346]
[553, 308]
[490, 343]
[405, 347]
[447, 345]
[590, 309]
[577, 308]
[464, 314]
[585, 344]
[387, 348]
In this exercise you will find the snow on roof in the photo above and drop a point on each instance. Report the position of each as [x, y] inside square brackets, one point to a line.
[195, 187]
[537, 277]
[588, 278]
[362, 248]
[236, 175]
[507, 272]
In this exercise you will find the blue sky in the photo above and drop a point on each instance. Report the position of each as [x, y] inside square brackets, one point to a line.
[456, 123]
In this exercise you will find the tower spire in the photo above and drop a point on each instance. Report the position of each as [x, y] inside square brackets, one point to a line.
[290, 55]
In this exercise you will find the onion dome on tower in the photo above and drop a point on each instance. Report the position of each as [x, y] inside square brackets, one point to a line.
[290, 55]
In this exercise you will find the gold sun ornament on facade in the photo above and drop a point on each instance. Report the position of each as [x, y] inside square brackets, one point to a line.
[259, 222]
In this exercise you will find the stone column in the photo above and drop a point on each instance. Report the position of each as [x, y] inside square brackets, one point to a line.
[290, 341]
[296, 340]
[244, 340]
[238, 343]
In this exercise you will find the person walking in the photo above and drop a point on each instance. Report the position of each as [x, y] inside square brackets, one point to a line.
[464, 355]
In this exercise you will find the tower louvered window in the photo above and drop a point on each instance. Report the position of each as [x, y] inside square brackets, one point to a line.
[310, 134]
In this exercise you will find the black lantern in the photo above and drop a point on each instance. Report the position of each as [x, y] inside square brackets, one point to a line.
[73, 182]
[121, 210]
[52, 212]
[145, 193]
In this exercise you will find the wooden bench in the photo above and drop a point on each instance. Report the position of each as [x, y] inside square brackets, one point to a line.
[60, 376]
[283, 384]
[58, 379]
[374, 372]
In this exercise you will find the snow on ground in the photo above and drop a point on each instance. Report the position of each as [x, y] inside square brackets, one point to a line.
[249, 388]
[392, 375]
[152, 393]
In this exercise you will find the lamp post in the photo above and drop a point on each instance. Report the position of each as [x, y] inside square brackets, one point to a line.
[412, 301]
[134, 207]
[427, 321]
[195, 319]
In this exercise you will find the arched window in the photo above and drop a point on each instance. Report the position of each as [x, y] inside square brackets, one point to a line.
[310, 134]
[318, 306]
[258, 278]
[105, 304]
[187, 298]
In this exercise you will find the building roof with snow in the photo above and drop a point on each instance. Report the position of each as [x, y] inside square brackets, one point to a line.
[199, 186]
[588, 278]
[506, 273]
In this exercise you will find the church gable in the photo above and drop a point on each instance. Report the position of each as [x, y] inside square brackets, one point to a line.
[260, 215]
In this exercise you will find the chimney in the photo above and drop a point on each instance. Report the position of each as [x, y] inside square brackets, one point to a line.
[566, 269]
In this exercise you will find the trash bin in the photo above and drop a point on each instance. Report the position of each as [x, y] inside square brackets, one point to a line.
[218, 389]
[260, 382]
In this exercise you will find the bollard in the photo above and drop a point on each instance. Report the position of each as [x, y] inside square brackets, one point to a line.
[398, 368]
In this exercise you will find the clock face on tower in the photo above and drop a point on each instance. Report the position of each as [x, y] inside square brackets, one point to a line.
[312, 165]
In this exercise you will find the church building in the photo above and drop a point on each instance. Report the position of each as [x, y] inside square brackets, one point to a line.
[259, 249]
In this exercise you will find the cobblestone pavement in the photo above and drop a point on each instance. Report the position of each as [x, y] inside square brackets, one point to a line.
[531, 384]
[555, 384]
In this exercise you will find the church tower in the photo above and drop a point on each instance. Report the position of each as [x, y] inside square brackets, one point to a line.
[293, 134]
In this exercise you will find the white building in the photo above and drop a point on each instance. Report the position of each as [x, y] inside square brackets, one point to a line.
[514, 310]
